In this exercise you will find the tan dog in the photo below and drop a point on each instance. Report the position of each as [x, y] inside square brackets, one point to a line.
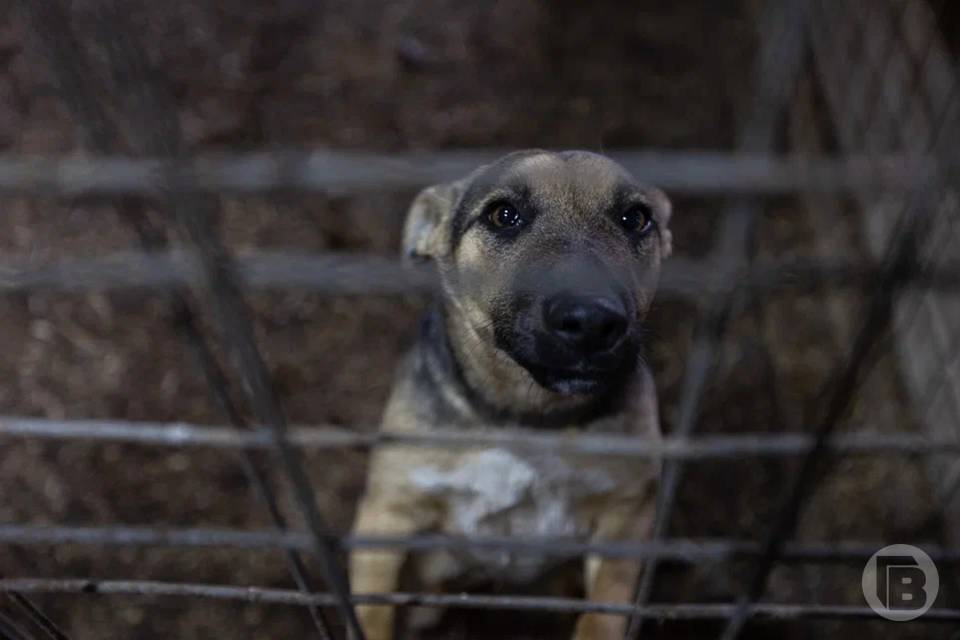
[548, 263]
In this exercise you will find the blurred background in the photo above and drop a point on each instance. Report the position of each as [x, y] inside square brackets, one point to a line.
[873, 78]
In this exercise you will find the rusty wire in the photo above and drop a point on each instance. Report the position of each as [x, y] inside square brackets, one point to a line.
[786, 612]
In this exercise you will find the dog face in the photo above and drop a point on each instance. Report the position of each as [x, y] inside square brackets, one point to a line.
[548, 263]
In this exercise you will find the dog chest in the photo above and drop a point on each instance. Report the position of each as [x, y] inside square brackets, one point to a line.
[496, 492]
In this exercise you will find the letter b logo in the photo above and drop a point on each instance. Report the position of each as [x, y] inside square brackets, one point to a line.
[900, 582]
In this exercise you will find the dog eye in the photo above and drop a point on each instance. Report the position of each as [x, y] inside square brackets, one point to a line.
[503, 215]
[636, 219]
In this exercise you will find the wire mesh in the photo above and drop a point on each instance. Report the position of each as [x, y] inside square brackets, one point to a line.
[884, 149]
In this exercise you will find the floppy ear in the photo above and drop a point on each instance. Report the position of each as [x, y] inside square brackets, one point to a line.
[663, 210]
[426, 231]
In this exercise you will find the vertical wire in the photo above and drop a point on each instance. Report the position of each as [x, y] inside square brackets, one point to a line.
[155, 127]
[782, 30]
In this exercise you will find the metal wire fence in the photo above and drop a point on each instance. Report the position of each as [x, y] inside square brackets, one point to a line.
[797, 37]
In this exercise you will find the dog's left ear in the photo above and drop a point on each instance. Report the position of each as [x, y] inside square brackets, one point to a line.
[662, 211]
[426, 232]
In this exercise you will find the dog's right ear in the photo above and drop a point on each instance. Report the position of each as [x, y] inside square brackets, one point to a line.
[426, 233]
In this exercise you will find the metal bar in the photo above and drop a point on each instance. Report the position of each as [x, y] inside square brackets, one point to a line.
[341, 172]
[782, 30]
[731, 447]
[257, 595]
[690, 551]
[333, 274]
[68, 60]
[50, 628]
[10, 630]
[360, 274]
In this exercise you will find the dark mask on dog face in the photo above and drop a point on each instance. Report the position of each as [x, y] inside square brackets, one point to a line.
[549, 263]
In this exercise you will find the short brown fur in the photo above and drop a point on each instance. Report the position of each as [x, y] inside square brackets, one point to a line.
[465, 374]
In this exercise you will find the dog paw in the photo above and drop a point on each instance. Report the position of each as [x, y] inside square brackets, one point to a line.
[592, 626]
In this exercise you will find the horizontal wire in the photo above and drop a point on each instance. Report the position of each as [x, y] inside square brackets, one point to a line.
[258, 595]
[180, 434]
[701, 172]
[332, 273]
[367, 274]
[678, 550]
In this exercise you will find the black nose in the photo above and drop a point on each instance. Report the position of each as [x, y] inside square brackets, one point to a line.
[586, 323]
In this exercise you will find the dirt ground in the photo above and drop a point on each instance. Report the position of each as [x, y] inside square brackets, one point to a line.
[429, 75]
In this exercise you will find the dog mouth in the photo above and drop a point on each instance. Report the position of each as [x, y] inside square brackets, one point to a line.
[571, 381]
[566, 374]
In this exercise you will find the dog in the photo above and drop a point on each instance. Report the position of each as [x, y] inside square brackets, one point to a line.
[548, 263]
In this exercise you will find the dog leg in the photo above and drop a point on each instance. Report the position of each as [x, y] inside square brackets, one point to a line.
[378, 571]
[614, 579]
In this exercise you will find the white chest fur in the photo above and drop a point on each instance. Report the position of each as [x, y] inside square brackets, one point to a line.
[496, 492]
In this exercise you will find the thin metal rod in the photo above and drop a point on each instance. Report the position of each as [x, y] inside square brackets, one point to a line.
[257, 595]
[690, 551]
[331, 274]
[731, 447]
[341, 172]
[10, 629]
[359, 274]
[38, 617]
